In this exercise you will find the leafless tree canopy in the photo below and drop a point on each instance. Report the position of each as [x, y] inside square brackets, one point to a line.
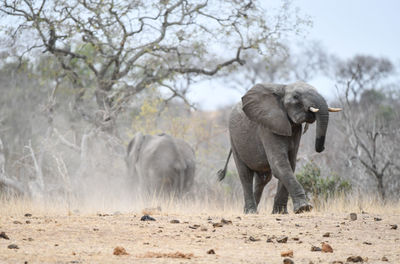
[371, 119]
[126, 46]
[282, 64]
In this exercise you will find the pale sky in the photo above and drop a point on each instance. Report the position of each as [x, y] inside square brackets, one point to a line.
[344, 28]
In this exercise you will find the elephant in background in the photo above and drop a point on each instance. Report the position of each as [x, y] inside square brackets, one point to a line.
[265, 131]
[161, 164]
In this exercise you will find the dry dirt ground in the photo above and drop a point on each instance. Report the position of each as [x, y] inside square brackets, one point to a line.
[92, 238]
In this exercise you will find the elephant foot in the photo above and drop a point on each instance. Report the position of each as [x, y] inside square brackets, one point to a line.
[250, 210]
[280, 209]
[304, 207]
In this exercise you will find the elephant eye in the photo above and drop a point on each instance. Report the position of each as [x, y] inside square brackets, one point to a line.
[296, 97]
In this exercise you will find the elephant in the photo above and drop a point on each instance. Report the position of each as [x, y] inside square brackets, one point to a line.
[265, 130]
[161, 164]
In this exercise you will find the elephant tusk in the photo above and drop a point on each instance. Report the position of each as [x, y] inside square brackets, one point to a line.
[332, 109]
[313, 109]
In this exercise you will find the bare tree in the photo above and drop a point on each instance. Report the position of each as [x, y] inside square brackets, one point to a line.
[370, 119]
[281, 64]
[125, 46]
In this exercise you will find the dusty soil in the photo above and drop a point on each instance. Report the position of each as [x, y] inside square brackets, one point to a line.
[95, 238]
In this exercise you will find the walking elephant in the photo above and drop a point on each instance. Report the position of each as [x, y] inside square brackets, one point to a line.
[161, 164]
[265, 131]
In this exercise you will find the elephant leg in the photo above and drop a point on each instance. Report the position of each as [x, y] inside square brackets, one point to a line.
[278, 158]
[284, 173]
[297, 132]
[281, 199]
[260, 181]
[282, 195]
[246, 178]
[189, 178]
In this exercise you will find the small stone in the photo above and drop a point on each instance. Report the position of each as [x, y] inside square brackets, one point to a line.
[17, 222]
[95, 229]
[238, 218]
[393, 227]
[326, 248]
[296, 239]
[384, 258]
[174, 221]
[377, 219]
[253, 239]
[314, 248]
[211, 252]
[283, 239]
[100, 214]
[367, 243]
[218, 225]
[147, 218]
[4, 235]
[27, 221]
[327, 234]
[203, 228]
[269, 240]
[118, 251]
[355, 259]
[226, 222]
[353, 216]
[288, 261]
[194, 226]
[288, 253]
[337, 262]
[28, 215]
[13, 246]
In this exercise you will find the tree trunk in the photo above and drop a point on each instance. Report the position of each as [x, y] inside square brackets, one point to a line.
[381, 189]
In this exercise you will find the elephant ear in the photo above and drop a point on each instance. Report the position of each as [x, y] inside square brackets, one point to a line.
[262, 104]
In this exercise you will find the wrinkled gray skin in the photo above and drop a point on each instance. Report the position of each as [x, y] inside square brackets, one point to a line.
[265, 131]
[161, 164]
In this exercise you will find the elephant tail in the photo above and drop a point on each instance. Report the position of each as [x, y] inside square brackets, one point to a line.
[222, 173]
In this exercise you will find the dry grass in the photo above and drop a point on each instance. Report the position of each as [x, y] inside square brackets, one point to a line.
[172, 205]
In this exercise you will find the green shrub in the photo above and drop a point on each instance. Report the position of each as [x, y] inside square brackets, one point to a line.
[318, 187]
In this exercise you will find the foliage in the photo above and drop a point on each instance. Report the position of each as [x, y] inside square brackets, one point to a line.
[310, 178]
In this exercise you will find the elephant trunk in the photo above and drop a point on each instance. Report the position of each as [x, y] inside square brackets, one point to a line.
[322, 117]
